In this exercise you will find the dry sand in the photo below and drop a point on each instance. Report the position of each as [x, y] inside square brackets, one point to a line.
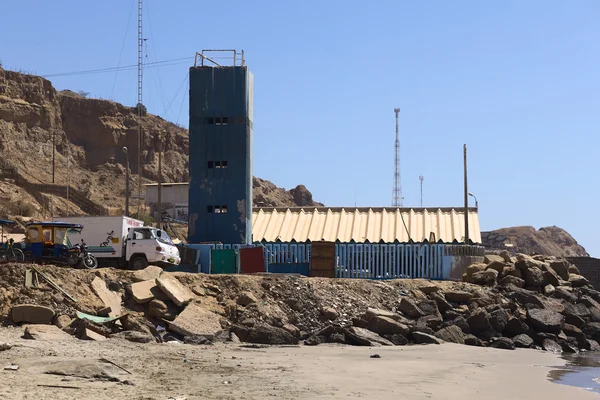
[161, 371]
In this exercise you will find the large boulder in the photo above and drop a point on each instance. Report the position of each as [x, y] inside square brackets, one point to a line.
[503, 343]
[578, 280]
[410, 308]
[551, 346]
[512, 280]
[578, 309]
[523, 341]
[533, 276]
[514, 326]
[499, 319]
[267, 334]
[577, 334]
[452, 334]
[524, 297]
[441, 302]
[387, 326]
[592, 330]
[544, 320]
[513, 271]
[472, 340]
[472, 269]
[550, 276]
[479, 320]
[565, 293]
[364, 337]
[458, 296]
[490, 258]
[32, 313]
[429, 307]
[424, 338]
[575, 320]
[573, 270]
[497, 266]
[487, 277]
[561, 267]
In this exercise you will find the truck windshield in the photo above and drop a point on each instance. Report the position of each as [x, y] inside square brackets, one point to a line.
[163, 237]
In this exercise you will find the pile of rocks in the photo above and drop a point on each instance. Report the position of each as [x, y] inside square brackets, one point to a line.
[529, 302]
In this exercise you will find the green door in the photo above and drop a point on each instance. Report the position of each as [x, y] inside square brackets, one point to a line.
[223, 261]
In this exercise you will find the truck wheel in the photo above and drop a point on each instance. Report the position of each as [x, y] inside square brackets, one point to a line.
[138, 262]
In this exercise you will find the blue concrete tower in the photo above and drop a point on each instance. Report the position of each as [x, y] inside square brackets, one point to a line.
[221, 110]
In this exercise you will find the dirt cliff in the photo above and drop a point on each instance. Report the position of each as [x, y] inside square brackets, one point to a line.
[89, 136]
[550, 241]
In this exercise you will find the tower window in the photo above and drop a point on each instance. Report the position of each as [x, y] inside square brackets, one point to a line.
[217, 164]
[223, 209]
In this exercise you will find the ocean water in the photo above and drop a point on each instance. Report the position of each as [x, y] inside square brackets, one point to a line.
[582, 370]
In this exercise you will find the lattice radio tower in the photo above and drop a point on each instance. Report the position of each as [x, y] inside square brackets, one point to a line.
[397, 192]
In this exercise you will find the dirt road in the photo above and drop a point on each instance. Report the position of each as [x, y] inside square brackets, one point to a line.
[68, 368]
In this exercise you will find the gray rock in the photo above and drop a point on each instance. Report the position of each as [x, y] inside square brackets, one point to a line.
[565, 293]
[376, 312]
[503, 343]
[578, 280]
[543, 320]
[429, 307]
[551, 277]
[549, 290]
[499, 319]
[330, 313]
[267, 334]
[441, 302]
[458, 296]
[246, 298]
[424, 338]
[523, 341]
[487, 277]
[561, 267]
[337, 338]
[397, 339]
[592, 330]
[506, 256]
[574, 270]
[452, 334]
[364, 337]
[578, 309]
[574, 320]
[551, 346]
[479, 320]
[410, 308]
[314, 340]
[512, 280]
[524, 297]
[497, 265]
[489, 258]
[472, 340]
[514, 326]
[593, 345]
[387, 326]
[533, 276]
[134, 336]
[429, 288]
[577, 334]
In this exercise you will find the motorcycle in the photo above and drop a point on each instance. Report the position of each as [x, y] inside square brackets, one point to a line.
[78, 255]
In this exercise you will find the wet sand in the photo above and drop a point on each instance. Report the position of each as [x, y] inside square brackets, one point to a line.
[160, 371]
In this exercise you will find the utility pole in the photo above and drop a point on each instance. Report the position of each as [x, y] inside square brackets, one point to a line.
[126, 181]
[161, 137]
[397, 191]
[68, 172]
[140, 107]
[421, 178]
[466, 197]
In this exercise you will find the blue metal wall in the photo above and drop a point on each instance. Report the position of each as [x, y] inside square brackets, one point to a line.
[221, 108]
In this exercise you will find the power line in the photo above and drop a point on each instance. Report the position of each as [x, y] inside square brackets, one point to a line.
[156, 64]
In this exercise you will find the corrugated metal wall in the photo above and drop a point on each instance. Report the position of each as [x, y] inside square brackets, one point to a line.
[220, 131]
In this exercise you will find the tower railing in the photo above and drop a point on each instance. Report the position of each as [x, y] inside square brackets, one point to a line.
[237, 58]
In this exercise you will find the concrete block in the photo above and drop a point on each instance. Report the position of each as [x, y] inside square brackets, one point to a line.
[179, 294]
[195, 320]
[89, 334]
[149, 273]
[109, 298]
[49, 333]
[143, 292]
[32, 313]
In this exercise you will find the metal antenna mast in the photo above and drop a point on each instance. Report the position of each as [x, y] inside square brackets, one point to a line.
[139, 107]
[397, 193]
[421, 178]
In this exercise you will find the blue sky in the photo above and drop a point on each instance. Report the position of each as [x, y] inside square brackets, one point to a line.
[517, 81]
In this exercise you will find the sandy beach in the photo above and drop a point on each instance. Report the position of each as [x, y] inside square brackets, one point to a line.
[66, 368]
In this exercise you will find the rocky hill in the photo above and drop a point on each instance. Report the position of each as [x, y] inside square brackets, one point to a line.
[89, 135]
[550, 241]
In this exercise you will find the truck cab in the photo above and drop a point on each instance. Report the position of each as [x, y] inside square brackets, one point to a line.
[147, 245]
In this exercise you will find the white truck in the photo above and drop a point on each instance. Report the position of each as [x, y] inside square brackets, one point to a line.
[124, 242]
